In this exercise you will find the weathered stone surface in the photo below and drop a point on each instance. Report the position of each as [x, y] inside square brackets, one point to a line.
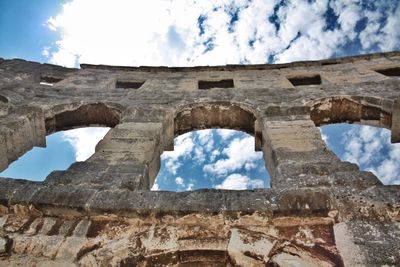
[247, 248]
[319, 212]
[3, 245]
[396, 121]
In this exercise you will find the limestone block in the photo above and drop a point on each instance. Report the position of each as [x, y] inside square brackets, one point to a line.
[70, 248]
[3, 220]
[82, 228]
[66, 228]
[348, 248]
[48, 224]
[58, 263]
[289, 260]
[38, 245]
[248, 248]
[3, 245]
[34, 226]
[396, 121]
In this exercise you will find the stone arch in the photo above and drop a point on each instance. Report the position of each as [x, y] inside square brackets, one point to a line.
[206, 115]
[30, 128]
[72, 116]
[352, 109]
[370, 111]
[218, 115]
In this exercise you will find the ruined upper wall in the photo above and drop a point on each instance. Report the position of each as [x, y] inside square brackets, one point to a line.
[232, 67]
[312, 191]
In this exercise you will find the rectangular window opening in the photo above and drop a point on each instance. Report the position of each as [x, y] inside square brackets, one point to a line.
[129, 84]
[227, 83]
[49, 80]
[390, 72]
[305, 80]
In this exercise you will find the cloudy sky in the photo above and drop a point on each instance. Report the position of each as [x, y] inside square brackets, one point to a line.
[187, 33]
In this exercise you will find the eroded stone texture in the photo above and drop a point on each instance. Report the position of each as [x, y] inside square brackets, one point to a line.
[250, 240]
[319, 212]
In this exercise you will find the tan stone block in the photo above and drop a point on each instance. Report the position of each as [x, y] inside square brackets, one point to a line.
[249, 248]
[70, 247]
[48, 224]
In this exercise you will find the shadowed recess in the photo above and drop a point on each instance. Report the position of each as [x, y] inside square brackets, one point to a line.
[215, 115]
[390, 72]
[344, 109]
[49, 80]
[86, 115]
[305, 80]
[128, 84]
[227, 83]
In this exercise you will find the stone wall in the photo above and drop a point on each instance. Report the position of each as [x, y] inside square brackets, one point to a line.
[319, 210]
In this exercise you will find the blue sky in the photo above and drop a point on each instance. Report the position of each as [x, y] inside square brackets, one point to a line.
[187, 33]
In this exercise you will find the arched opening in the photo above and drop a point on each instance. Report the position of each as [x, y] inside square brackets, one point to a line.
[366, 143]
[68, 140]
[62, 149]
[344, 109]
[97, 114]
[207, 157]
[215, 115]
[367, 146]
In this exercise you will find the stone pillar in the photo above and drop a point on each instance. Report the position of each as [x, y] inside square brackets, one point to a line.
[127, 158]
[396, 121]
[296, 156]
[19, 132]
[132, 149]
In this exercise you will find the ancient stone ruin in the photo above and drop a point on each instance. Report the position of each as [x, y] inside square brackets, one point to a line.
[319, 210]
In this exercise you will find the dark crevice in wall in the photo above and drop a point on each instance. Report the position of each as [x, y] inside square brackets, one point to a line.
[226, 83]
[390, 72]
[49, 80]
[305, 80]
[128, 85]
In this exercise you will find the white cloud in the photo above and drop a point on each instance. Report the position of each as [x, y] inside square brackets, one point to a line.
[370, 148]
[84, 140]
[214, 154]
[230, 156]
[199, 155]
[234, 182]
[391, 32]
[239, 154]
[225, 133]
[179, 181]
[206, 139]
[155, 187]
[162, 32]
[363, 143]
[189, 187]
[183, 148]
[46, 51]
[237, 181]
